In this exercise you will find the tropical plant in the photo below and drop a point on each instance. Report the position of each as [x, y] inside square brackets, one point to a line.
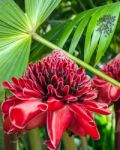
[28, 31]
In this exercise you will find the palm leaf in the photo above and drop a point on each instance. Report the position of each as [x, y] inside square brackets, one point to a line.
[14, 58]
[39, 10]
[16, 28]
[12, 16]
[98, 27]
[104, 41]
[14, 42]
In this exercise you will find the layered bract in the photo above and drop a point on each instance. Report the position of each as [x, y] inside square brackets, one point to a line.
[108, 92]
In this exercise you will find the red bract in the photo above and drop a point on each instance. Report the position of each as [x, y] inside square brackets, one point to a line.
[107, 92]
[56, 93]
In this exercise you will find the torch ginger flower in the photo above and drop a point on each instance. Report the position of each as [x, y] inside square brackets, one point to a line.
[107, 92]
[54, 93]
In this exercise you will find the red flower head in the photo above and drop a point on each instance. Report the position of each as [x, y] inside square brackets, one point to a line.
[107, 92]
[56, 93]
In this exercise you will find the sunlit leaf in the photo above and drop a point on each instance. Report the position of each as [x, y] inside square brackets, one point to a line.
[78, 32]
[12, 18]
[91, 39]
[105, 39]
[14, 40]
[14, 58]
[2, 93]
[87, 24]
[16, 28]
[69, 28]
[39, 10]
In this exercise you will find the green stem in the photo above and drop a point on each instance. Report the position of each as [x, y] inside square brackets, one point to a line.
[78, 61]
[34, 139]
[68, 142]
[81, 4]
[10, 142]
[91, 4]
[84, 144]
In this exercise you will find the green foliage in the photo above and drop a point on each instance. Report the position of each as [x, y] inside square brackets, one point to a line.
[38, 11]
[96, 26]
[97, 35]
[106, 127]
[81, 27]
[14, 42]
[16, 28]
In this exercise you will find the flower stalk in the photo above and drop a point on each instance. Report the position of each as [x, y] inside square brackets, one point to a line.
[84, 143]
[78, 61]
[34, 139]
[10, 142]
[68, 142]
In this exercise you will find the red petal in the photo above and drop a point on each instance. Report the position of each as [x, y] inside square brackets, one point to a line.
[8, 86]
[114, 93]
[85, 119]
[77, 128]
[84, 90]
[8, 127]
[54, 104]
[101, 108]
[70, 98]
[66, 90]
[109, 93]
[57, 122]
[21, 96]
[104, 93]
[38, 121]
[21, 83]
[98, 82]
[90, 95]
[89, 127]
[54, 79]
[27, 94]
[31, 93]
[60, 84]
[50, 89]
[7, 104]
[22, 113]
[49, 145]
[15, 80]
[78, 109]
[81, 71]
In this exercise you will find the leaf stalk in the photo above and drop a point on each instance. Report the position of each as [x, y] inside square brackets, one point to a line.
[78, 61]
[34, 139]
[68, 142]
